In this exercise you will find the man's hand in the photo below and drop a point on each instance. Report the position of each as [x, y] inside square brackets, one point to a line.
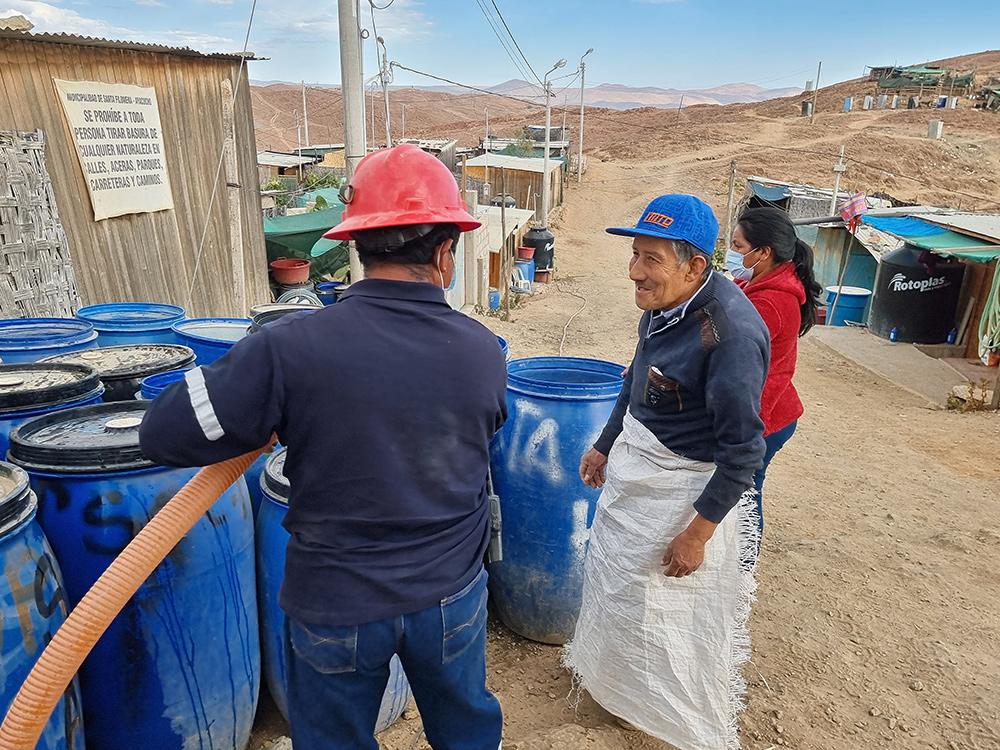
[686, 552]
[592, 467]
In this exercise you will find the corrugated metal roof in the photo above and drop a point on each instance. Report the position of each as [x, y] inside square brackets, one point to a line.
[90, 41]
[984, 226]
[272, 159]
[523, 164]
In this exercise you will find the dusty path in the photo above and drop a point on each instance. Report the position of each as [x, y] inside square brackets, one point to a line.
[879, 601]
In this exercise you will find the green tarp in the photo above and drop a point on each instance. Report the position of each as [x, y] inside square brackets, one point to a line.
[296, 236]
[331, 195]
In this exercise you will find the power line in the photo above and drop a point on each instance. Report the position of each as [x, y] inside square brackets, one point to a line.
[511, 34]
[503, 43]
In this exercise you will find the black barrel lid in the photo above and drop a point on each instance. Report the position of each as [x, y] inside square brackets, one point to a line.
[17, 501]
[130, 361]
[87, 439]
[40, 384]
[273, 477]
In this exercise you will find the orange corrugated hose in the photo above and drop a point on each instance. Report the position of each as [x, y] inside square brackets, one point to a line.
[61, 659]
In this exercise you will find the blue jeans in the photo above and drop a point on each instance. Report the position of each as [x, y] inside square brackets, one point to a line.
[774, 442]
[337, 675]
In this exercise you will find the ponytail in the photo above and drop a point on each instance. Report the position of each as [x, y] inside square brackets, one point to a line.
[771, 227]
[803, 260]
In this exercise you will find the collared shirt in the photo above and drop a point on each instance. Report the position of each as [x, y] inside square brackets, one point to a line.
[387, 403]
[661, 320]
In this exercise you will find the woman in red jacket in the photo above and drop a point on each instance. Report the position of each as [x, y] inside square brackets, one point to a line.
[775, 269]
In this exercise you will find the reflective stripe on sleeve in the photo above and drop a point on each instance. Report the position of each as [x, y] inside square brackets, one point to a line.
[202, 404]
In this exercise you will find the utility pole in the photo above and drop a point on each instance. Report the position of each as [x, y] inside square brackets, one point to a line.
[838, 169]
[579, 151]
[352, 90]
[548, 142]
[305, 115]
[298, 141]
[486, 142]
[371, 98]
[402, 118]
[819, 70]
[383, 75]
[729, 202]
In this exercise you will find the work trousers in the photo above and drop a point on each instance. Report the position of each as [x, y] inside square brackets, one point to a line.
[774, 443]
[337, 675]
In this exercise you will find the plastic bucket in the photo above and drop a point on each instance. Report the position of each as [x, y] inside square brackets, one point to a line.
[557, 407]
[32, 607]
[180, 666]
[850, 306]
[32, 389]
[31, 339]
[120, 323]
[210, 338]
[272, 539]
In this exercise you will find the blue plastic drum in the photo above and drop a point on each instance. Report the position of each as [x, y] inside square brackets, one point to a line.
[120, 323]
[504, 347]
[30, 390]
[122, 368]
[210, 338]
[558, 407]
[272, 539]
[31, 339]
[154, 385]
[179, 668]
[851, 304]
[32, 607]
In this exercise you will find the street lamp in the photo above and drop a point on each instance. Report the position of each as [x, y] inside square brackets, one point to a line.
[579, 153]
[548, 139]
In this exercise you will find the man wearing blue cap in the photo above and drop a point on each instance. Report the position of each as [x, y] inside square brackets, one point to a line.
[669, 574]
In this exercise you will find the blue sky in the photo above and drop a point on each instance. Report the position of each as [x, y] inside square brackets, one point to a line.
[666, 43]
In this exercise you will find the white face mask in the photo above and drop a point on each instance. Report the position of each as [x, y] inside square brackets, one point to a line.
[734, 264]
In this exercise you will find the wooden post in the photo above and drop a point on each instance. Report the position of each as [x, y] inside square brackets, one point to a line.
[505, 269]
[729, 204]
[235, 203]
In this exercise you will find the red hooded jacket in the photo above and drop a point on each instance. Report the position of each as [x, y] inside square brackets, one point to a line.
[778, 297]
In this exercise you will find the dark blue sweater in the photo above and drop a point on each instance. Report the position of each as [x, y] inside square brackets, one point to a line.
[387, 402]
[704, 401]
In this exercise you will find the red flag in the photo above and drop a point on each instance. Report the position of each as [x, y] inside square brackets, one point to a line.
[852, 210]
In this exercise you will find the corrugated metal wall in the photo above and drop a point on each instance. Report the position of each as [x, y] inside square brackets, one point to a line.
[151, 257]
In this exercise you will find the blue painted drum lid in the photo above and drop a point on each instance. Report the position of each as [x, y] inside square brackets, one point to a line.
[139, 316]
[40, 384]
[100, 438]
[131, 360]
[34, 333]
[273, 480]
[17, 501]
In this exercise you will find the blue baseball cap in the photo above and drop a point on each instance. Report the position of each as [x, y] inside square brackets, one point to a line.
[676, 217]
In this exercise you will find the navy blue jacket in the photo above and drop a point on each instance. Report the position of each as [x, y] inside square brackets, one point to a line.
[387, 402]
[695, 383]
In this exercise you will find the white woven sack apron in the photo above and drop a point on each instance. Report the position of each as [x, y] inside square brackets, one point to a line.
[664, 653]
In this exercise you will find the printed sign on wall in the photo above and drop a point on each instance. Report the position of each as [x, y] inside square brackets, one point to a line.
[116, 129]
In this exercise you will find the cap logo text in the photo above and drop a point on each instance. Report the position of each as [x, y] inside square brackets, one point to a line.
[659, 219]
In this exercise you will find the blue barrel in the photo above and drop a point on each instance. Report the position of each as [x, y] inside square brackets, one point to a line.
[32, 607]
[31, 339]
[122, 368]
[210, 338]
[850, 307]
[120, 323]
[272, 539]
[179, 668]
[327, 291]
[504, 347]
[152, 386]
[524, 273]
[557, 407]
[32, 389]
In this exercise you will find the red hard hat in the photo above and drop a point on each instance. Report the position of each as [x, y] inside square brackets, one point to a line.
[401, 186]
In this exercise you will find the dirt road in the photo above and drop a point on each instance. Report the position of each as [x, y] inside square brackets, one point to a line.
[879, 598]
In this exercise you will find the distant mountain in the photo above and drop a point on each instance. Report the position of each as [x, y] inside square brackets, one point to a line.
[615, 95]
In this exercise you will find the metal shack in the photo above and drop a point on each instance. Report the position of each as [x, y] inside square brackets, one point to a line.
[523, 176]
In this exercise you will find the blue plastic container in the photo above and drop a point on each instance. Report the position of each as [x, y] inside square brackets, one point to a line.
[32, 607]
[179, 668]
[121, 323]
[31, 339]
[210, 338]
[327, 291]
[504, 347]
[32, 389]
[850, 307]
[558, 407]
[272, 539]
[524, 276]
[154, 385]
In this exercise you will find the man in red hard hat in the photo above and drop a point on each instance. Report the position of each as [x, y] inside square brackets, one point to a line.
[387, 402]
